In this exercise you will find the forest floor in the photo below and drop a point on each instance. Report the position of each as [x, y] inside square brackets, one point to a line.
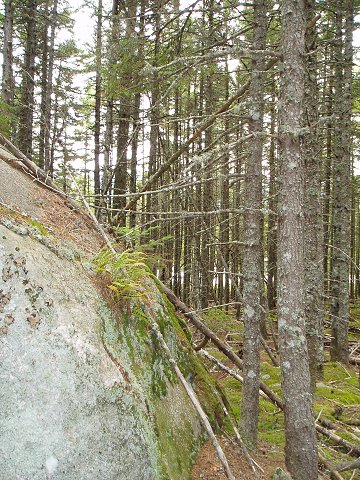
[337, 400]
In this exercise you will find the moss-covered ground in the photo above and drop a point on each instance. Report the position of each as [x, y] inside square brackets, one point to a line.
[337, 397]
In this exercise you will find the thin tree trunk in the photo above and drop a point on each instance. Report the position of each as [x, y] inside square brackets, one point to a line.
[272, 219]
[301, 454]
[47, 88]
[314, 284]
[136, 118]
[253, 244]
[97, 126]
[121, 175]
[134, 149]
[107, 177]
[25, 134]
[342, 185]
[7, 83]
[327, 181]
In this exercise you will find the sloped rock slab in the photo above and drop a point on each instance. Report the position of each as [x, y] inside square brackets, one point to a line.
[66, 409]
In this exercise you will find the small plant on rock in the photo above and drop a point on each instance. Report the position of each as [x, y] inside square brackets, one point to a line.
[126, 270]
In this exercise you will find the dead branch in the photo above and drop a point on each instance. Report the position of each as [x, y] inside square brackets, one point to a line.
[222, 346]
[334, 474]
[251, 462]
[223, 367]
[350, 448]
[37, 172]
[194, 401]
[269, 352]
[346, 466]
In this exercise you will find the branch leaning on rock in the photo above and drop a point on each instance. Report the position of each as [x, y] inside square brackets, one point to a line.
[351, 449]
[194, 401]
[36, 172]
[190, 392]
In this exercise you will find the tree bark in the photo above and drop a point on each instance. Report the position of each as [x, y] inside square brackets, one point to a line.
[342, 183]
[253, 242]
[47, 87]
[301, 455]
[98, 85]
[272, 218]
[7, 83]
[25, 134]
[314, 274]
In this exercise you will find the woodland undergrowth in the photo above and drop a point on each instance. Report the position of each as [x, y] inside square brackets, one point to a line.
[336, 400]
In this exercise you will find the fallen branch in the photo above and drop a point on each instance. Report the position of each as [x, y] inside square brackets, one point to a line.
[337, 426]
[194, 401]
[354, 360]
[223, 367]
[222, 346]
[269, 352]
[334, 474]
[350, 448]
[37, 172]
[92, 216]
[251, 462]
[346, 466]
[201, 345]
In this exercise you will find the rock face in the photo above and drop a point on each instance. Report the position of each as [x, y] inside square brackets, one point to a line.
[66, 408]
[85, 393]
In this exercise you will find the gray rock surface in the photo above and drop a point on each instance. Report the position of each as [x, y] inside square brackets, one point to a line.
[67, 409]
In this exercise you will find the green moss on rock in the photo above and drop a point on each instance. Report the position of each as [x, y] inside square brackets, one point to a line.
[132, 343]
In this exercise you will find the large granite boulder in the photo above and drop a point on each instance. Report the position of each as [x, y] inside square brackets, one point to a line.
[85, 390]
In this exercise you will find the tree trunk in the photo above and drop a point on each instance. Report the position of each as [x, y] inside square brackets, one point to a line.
[25, 134]
[342, 185]
[272, 219]
[97, 126]
[136, 119]
[314, 284]
[253, 244]
[301, 454]
[121, 174]
[47, 87]
[7, 84]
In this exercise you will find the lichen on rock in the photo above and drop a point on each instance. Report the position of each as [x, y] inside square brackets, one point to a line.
[86, 392]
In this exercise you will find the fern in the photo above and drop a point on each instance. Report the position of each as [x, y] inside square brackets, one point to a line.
[140, 241]
[127, 270]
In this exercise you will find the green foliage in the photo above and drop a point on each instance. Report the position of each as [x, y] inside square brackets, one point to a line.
[142, 241]
[126, 270]
[7, 118]
[121, 77]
